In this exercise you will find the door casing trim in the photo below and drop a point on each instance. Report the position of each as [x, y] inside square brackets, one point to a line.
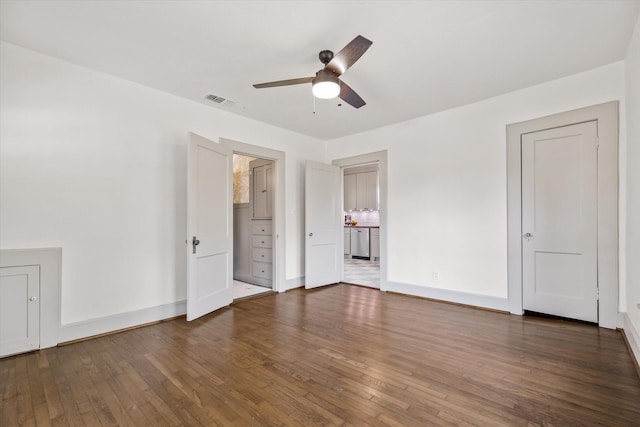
[606, 116]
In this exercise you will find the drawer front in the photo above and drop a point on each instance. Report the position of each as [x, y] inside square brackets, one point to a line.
[262, 254]
[262, 241]
[261, 227]
[262, 270]
[375, 232]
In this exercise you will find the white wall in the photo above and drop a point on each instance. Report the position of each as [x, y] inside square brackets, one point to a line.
[633, 184]
[447, 181]
[96, 165]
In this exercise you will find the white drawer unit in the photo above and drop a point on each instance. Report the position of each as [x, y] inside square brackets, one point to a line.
[262, 252]
[262, 270]
[262, 255]
[261, 228]
[262, 241]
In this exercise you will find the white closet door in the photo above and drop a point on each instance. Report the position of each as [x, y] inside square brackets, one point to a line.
[559, 221]
[19, 309]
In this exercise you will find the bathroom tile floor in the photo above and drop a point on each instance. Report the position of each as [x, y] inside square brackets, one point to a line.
[362, 272]
[242, 289]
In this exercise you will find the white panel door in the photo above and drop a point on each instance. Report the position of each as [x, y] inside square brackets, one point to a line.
[559, 222]
[19, 309]
[323, 225]
[209, 227]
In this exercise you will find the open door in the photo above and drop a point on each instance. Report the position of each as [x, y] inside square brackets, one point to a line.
[209, 227]
[323, 225]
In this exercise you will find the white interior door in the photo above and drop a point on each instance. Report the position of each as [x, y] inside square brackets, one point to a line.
[559, 221]
[323, 225]
[209, 227]
[19, 309]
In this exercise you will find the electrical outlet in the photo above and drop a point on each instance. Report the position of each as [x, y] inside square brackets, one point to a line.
[435, 275]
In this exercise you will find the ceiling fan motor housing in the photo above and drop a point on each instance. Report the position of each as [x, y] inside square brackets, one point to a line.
[325, 56]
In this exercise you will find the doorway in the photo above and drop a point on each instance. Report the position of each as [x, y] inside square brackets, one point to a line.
[364, 199]
[267, 227]
[253, 196]
[361, 233]
[571, 261]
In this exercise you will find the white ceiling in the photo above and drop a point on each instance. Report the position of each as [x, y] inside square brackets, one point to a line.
[427, 56]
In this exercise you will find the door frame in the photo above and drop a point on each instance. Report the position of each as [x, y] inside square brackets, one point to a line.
[381, 158]
[279, 234]
[606, 116]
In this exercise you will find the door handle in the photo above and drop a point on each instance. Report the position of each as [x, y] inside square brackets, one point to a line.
[195, 242]
[310, 234]
[528, 236]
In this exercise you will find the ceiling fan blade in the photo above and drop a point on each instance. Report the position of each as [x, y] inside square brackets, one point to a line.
[348, 55]
[349, 96]
[289, 82]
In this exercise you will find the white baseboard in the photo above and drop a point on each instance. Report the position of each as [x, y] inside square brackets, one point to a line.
[102, 325]
[296, 282]
[458, 297]
[632, 337]
[620, 320]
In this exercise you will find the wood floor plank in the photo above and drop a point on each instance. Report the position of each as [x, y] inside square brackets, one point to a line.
[341, 355]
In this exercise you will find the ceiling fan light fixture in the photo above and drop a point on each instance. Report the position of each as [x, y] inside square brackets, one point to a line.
[325, 85]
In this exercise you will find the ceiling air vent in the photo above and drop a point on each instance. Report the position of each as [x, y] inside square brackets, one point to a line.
[220, 100]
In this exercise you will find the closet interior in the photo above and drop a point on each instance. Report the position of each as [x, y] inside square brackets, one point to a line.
[253, 220]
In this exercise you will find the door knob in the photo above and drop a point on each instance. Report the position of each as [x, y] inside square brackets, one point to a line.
[33, 299]
[528, 235]
[195, 242]
[310, 234]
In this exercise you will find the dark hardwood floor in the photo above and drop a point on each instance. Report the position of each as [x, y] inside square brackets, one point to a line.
[341, 355]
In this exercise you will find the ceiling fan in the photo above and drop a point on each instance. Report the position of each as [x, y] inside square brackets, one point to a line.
[326, 84]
